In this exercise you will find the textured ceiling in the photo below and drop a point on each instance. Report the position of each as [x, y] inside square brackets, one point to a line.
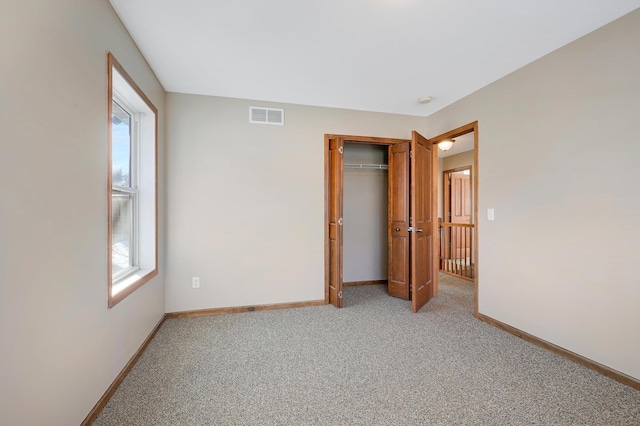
[373, 55]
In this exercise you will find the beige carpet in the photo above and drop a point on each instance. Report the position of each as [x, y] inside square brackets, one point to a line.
[370, 363]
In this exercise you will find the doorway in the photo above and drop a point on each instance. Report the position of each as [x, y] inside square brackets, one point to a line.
[458, 233]
[457, 230]
[412, 210]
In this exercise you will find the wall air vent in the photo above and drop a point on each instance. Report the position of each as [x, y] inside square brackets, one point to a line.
[266, 115]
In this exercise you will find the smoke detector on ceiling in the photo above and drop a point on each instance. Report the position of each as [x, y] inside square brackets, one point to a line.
[424, 99]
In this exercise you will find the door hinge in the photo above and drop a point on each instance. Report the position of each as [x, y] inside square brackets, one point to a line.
[341, 150]
[339, 295]
[340, 221]
[410, 154]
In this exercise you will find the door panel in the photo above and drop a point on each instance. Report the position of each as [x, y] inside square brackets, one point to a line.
[422, 272]
[460, 213]
[398, 218]
[336, 170]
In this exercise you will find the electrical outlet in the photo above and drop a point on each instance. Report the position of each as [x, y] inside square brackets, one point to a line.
[195, 282]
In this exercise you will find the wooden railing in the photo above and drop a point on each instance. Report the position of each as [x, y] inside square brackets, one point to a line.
[456, 249]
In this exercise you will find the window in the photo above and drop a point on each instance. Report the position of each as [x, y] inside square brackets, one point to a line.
[132, 185]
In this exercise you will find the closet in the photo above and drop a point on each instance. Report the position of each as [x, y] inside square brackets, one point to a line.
[365, 214]
[410, 223]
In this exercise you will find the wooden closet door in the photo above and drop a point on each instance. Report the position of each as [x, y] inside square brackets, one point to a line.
[398, 221]
[336, 183]
[422, 214]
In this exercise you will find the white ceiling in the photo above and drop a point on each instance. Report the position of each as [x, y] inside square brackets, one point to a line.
[373, 55]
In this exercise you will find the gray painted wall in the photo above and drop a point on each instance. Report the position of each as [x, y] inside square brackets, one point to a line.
[558, 152]
[365, 214]
[60, 346]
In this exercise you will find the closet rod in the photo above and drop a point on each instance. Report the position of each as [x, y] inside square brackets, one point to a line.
[366, 166]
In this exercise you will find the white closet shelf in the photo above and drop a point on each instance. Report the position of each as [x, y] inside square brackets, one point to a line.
[367, 166]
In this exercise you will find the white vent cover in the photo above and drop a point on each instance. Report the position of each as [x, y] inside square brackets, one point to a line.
[266, 115]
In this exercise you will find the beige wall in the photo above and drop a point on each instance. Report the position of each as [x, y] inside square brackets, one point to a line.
[365, 214]
[440, 189]
[246, 201]
[558, 150]
[459, 160]
[60, 347]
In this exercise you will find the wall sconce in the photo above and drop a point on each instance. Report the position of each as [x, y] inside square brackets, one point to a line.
[446, 145]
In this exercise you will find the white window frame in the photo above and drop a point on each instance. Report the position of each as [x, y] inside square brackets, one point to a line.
[143, 246]
[134, 187]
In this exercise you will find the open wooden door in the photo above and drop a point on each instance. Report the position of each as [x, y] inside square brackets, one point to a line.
[421, 224]
[336, 170]
[398, 221]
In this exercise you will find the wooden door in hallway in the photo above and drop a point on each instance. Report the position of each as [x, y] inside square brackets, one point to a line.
[460, 193]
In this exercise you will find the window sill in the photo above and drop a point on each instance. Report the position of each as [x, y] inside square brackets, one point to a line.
[127, 285]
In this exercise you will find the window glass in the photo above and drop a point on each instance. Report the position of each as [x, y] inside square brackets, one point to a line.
[121, 146]
[121, 232]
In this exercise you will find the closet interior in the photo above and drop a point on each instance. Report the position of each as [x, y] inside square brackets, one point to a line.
[365, 214]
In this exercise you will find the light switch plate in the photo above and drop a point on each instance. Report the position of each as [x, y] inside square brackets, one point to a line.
[490, 214]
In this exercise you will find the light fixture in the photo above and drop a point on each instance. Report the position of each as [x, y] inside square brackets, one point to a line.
[424, 99]
[446, 144]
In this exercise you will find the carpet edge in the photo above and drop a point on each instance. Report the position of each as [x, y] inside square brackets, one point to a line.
[102, 402]
[565, 353]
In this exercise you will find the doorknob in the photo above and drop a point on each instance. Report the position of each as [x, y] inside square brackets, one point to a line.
[412, 229]
[397, 229]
